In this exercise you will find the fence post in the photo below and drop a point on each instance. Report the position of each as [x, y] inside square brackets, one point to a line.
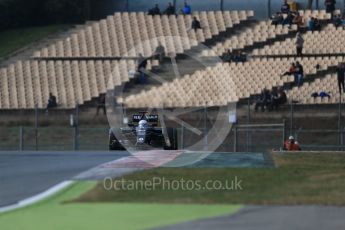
[235, 138]
[248, 131]
[339, 123]
[291, 115]
[205, 127]
[341, 139]
[284, 131]
[76, 129]
[182, 137]
[36, 127]
[21, 138]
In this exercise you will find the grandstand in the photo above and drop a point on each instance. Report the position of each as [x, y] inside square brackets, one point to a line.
[70, 70]
[225, 83]
[79, 67]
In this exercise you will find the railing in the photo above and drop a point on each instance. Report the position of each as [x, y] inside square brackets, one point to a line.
[53, 138]
[241, 138]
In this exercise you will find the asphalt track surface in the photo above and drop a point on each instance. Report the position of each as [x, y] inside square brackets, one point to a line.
[26, 174]
[272, 218]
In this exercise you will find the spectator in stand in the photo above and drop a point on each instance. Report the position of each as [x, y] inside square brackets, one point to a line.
[341, 76]
[235, 56]
[228, 56]
[298, 20]
[195, 25]
[243, 56]
[264, 100]
[186, 10]
[317, 24]
[299, 42]
[291, 70]
[299, 74]
[274, 98]
[52, 103]
[330, 6]
[142, 64]
[322, 94]
[277, 19]
[170, 10]
[311, 24]
[289, 19]
[317, 67]
[279, 99]
[155, 11]
[159, 53]
[337, 20]
[285, 9]
[101, 104]
[291, 145]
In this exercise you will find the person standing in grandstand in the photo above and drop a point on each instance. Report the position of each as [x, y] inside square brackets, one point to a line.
[285, 9]
[330, 6]
[341, 76]
[155, 10]
[170, 10]
[311, 24]
[291, 145]
[159, 53]
[186, 10]
[289, 19]
[299, 74]
[142, 64]
[299, 42]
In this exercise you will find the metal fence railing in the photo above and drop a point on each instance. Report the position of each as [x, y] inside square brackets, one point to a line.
[52, 138]
[241, 138]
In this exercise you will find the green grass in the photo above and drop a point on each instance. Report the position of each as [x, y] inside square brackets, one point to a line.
[297, 179]
[55, 214]
[14, 39]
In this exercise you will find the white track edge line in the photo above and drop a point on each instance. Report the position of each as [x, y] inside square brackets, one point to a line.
[37, 198]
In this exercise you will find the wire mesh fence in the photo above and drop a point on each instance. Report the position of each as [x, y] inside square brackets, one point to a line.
[241, 138]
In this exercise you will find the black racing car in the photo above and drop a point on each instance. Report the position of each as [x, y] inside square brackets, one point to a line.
[143, 133]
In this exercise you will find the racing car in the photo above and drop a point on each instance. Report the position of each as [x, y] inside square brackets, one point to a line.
[143, 132]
